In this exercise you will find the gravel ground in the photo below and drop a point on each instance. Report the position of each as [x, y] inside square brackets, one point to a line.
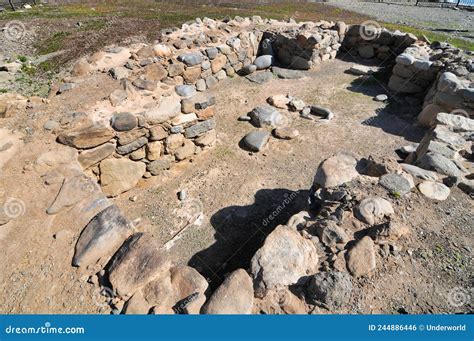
[429, 18]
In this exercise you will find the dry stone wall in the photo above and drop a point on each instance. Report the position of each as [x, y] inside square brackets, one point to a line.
[369, 41]
[164, 110]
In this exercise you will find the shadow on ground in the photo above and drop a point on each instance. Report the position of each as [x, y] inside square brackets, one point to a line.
[241, 230]
[398, 115]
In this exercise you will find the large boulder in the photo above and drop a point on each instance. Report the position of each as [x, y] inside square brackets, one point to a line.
[136, 263]
[284, 259]
[101, 237]
[336, 170]
[234, 296]
[189, 288]
[120, 175]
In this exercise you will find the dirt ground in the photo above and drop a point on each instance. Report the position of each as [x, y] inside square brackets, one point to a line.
[236, 191]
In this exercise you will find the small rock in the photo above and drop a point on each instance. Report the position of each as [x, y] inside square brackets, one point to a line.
[434, 190]
[185, 90]
[120, 175]
[286, 133]
[296, 105]
[372, 210]
[51, 125]
[89, 137]
[123, 121]
[360, 70]
[381, 98]
[396, 184]
[263, 62]
[361, 258]
[419, 172]
[260, 77]
[248, 69]
[332, 289]
[279, 101]
[265, 116]
[256, 140]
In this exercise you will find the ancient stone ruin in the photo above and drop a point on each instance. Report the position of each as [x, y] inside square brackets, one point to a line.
[165, 114]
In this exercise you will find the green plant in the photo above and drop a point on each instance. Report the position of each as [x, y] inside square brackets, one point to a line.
[23, 59]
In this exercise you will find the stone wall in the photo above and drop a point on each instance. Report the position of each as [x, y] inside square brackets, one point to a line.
[371, 41]
[163, 111]
[452, 90]
[413, 72]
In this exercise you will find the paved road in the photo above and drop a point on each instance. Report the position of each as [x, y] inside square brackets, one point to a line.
[435, 19]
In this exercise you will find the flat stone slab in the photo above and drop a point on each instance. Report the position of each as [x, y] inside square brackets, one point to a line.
[419, 172]
[136, 263]
[120, 175]
[93, 156]
[88, 137]
[72, 191]
[101, 237]
[395, 183]
[434, 190]
[260, 77]
[265, 115]
[287, 73]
